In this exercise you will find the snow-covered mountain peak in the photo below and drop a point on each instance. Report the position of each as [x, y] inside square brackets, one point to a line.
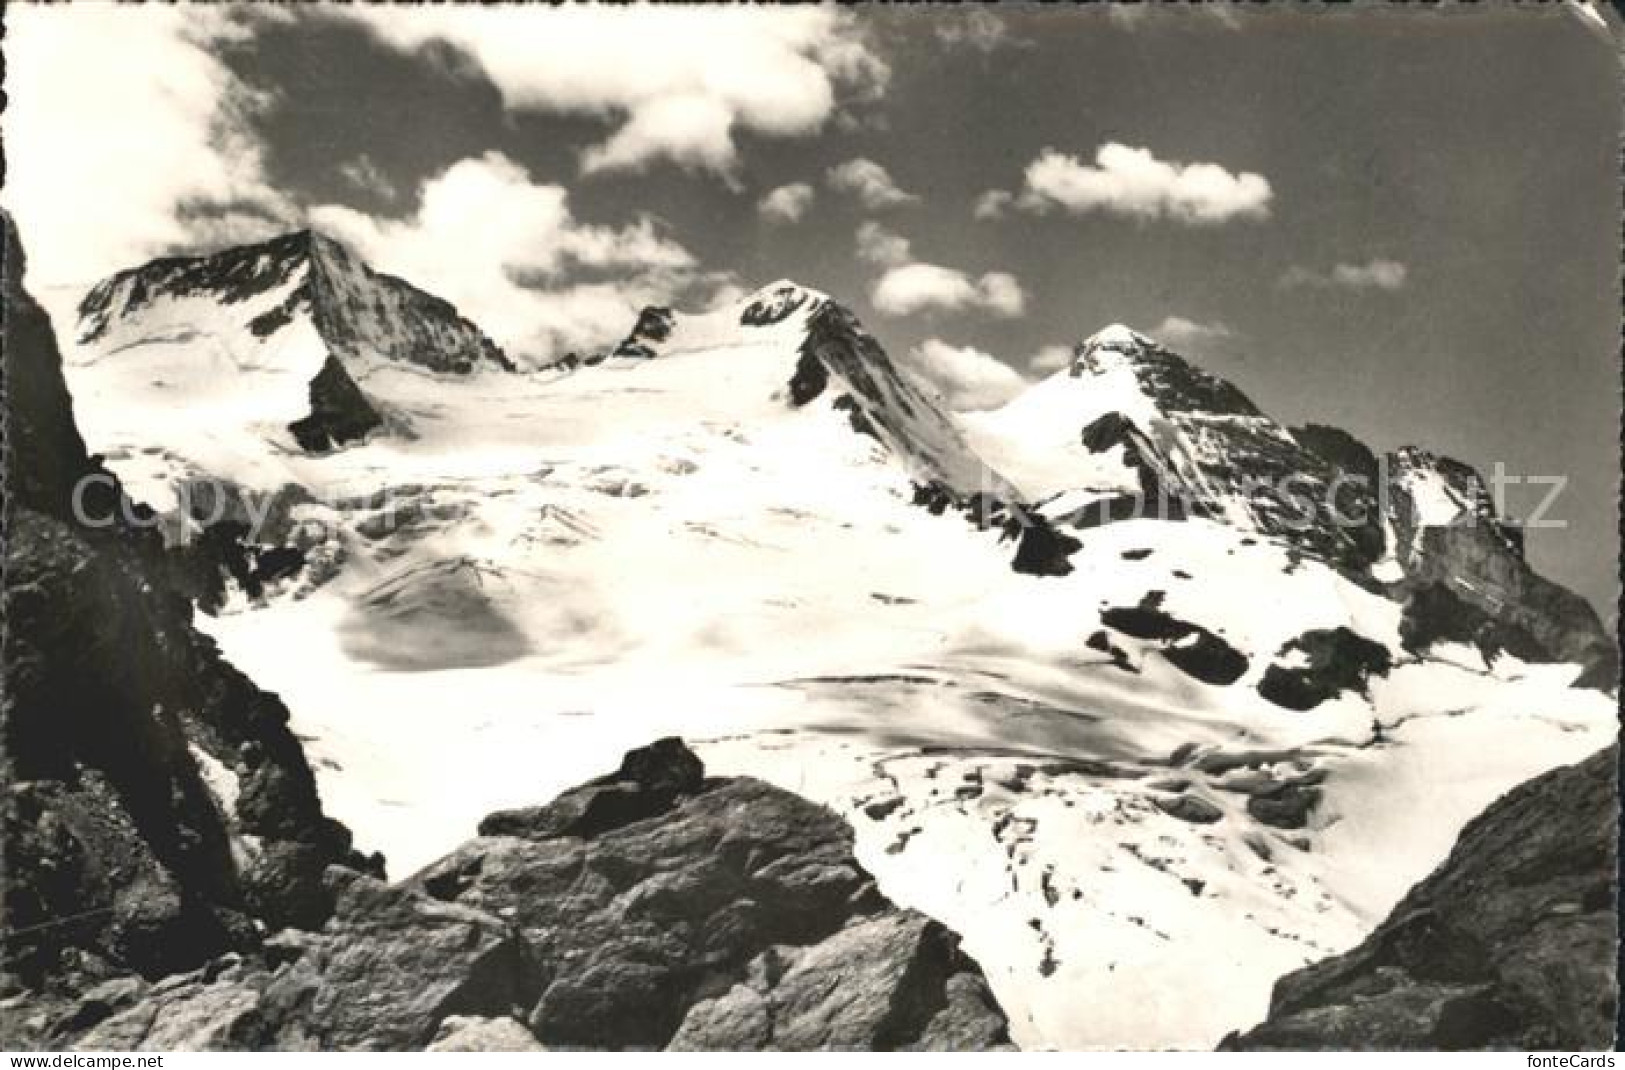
[218, 363]
[777, 300]
[264, 288]
[776, 313]
[796, 348]
[1117, 336]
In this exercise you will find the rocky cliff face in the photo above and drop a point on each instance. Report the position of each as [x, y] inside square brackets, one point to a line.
[156, 805]
[651, 908]
[1448, 538]
[1497, 948]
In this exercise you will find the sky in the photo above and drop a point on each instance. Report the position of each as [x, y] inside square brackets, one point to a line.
[1400, 222]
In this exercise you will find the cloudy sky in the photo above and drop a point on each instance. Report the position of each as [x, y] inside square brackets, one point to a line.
[1400, 222]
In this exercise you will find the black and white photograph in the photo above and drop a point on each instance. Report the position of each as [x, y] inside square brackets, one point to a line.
[956, 527]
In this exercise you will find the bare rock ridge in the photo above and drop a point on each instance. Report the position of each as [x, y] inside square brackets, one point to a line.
[1497, 948]
[358, 313]
[650, 908]
[878, 399]
[156, 806]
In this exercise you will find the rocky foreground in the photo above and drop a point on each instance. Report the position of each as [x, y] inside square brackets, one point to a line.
[651, 908]
[1497, 948]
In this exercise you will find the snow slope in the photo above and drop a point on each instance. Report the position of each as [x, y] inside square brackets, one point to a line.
[712, 532]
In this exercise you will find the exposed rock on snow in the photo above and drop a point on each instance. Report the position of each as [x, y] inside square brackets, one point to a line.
[653, 907]
[1321, 664]
[1498, 948]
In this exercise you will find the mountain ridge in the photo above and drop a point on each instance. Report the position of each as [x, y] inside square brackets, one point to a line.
[1162, 745]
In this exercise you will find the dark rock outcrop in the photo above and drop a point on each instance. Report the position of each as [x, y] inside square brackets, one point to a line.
[155, 802]
[1043, 551]
[1191, 648]
[653, 327]
[1478, 557]
[1510, 943]
[1327, 662]
[772, 304]
[651, 908]
[339, 412]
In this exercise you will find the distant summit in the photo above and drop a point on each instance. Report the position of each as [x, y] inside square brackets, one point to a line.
[297, 305]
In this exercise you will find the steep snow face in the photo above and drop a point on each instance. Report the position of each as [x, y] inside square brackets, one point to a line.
[261, 289]
[1131, 419]
[224, 365]
[712, 532]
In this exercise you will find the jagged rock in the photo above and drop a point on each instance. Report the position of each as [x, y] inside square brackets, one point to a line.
[885, 403]
[394, 962]
[1191, 808]
[339, 412]
[1479, 559]
[653, 327]
[116, 846]
[1354, 494]
[1286, 806]
[1043, 551]
[874, 985]
[467, 1033]
[649, 781]
[632, 925]
[692, 912]
[773, 304]
[1510, 943]
[1328, 662]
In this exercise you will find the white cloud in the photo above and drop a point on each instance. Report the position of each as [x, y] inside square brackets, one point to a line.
[967, 378]
[910, 288]
[788, 203]
[877, 245]
[980, 31]
[509, 253]
[1050, 359]
[127, 138]
[1001, 294]
[1132, 182]
[1132, 16]
[1371, 275]
[992, 204]
[679, 81]
[363, 174]
[1177, 331]
[870, 183]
